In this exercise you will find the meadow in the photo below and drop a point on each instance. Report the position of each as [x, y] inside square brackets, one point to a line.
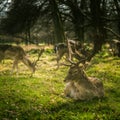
[41, 97]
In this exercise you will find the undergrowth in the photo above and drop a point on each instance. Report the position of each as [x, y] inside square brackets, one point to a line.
[41, 96]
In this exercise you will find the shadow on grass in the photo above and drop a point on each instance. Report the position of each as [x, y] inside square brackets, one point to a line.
[95, 109]
[7, 73]
[17, 106]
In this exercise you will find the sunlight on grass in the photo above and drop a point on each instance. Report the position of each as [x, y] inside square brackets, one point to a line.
[41, 96]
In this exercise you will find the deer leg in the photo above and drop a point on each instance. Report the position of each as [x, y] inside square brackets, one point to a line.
[59, 56]
[15, 65]
[1, 57]
[58, 59]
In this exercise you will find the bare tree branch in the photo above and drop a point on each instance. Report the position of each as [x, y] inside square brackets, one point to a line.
[109, 29]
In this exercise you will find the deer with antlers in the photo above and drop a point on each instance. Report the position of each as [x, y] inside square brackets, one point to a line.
[78, 85]
[61, 49]
[17, 54]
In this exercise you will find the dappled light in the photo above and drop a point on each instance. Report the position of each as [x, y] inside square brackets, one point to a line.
[59, 59]
[42, 95]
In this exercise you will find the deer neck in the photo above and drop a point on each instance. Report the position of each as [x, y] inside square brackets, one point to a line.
[29, 64]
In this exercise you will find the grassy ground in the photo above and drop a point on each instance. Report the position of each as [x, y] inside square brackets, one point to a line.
[41, 97]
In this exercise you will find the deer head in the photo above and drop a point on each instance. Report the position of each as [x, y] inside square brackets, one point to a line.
[32, 65]
[76, 72]
[29, 64]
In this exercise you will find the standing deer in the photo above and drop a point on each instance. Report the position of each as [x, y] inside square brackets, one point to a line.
[61, 49]
[78, 85]
[17, 54]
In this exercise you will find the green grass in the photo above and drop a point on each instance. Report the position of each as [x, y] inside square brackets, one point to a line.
[41, 97]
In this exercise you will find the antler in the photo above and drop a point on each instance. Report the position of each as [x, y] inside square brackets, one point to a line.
[80, 57]
[39, 55]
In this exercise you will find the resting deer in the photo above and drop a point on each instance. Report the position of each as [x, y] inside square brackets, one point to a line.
[17, 54]
[79, 86]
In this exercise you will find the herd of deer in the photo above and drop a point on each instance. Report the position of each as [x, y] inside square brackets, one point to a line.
[78, 85]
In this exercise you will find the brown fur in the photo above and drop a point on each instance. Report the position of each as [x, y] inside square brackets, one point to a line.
[61, 49]
[17, 54]
[81, 87]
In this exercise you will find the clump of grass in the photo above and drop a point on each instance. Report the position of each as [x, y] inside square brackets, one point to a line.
[41, 96]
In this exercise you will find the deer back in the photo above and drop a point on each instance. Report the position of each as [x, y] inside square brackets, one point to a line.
[12, 52]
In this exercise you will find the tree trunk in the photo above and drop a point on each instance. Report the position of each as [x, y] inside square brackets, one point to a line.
[98, 11]
[77, 17]
[58, 26]
[118, 12]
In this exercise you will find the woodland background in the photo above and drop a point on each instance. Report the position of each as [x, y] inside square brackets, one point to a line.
[30, 23]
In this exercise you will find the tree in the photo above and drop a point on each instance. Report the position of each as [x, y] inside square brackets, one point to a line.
[77, 18]
[57, 21]
[98, 12]
[117, 5]
[21, 17]
[86, 16]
